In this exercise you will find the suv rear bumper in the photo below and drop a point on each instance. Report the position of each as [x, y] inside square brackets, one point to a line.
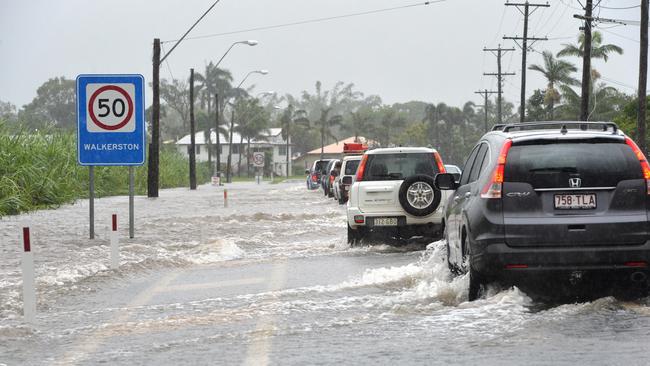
[500, 261]
[408, 220]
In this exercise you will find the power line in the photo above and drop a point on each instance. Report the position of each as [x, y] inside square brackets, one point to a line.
[315, 20]
[498, 52]
[623, 8]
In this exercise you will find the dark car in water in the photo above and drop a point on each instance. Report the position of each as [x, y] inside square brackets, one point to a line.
[314, 174]
[539, 203]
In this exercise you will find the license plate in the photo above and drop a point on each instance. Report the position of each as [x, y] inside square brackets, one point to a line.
[575, 201]
[386, 221]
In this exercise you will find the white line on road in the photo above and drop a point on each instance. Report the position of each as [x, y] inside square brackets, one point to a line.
[213, 285]
[258, 350]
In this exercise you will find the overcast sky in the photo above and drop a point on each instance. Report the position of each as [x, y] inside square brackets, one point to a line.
[431, 53]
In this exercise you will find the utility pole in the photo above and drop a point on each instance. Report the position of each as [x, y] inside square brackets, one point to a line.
[192, 135]
[485, 93]
[154, 147]
[230, 146]
[525, 9]
[217, 168]
[499, 74]
[643, 80]
[586, 60]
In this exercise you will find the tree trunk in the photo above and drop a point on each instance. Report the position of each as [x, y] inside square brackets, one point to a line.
[216, 115]
[322, 142]
[248, 157]
[208, 141]
[241, 142]
[288, 153]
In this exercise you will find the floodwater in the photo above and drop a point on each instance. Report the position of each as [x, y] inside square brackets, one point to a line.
[271, 280]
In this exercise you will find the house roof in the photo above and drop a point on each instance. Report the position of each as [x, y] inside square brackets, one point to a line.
[337, 147]
[272, 136]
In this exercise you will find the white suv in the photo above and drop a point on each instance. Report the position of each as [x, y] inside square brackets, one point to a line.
[394, 193]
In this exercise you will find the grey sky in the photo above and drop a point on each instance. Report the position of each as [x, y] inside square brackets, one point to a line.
[431, 53]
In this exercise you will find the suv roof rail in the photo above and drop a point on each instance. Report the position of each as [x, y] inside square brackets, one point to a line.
[498, 127]
[563, 125]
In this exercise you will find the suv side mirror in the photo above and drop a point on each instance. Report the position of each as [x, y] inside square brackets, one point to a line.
[307, 171]
[456, 176]
[347, 180]
[446, 182]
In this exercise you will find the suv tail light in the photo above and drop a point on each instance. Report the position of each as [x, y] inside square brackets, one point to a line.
[314, 178]
[495, 186]
[441, 166]
[642, 160]
[362, 168]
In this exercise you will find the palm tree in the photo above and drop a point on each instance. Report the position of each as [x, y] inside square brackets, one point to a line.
[598, 50]
[212, 82]
[556, 72]
[360, 122]
[289, 118]
[605, 102]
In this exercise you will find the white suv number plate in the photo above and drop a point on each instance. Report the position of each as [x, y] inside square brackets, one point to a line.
[575, 201]
[386, 221]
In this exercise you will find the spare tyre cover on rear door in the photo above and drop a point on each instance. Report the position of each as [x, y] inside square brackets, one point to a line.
[418, 195]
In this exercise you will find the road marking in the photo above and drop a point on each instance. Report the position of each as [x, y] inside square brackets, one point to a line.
[213, 285]
[90, 343]
[258, 350]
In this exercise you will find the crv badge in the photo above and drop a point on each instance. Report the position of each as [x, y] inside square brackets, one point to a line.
[518, 194]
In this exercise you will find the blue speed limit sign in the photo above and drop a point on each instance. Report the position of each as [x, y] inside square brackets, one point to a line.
[110, 120]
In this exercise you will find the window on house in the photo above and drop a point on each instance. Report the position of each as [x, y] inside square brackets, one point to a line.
[282, 150]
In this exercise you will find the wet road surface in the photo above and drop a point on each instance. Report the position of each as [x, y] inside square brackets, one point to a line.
[271, 280]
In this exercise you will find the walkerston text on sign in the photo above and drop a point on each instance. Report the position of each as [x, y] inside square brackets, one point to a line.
[111, 146]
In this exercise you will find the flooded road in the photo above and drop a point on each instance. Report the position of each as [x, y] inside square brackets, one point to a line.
[271, 280]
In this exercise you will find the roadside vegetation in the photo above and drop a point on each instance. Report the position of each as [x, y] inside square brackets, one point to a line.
[38, 169]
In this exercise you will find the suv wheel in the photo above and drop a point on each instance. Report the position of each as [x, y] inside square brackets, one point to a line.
[475, 289]
[418, 195]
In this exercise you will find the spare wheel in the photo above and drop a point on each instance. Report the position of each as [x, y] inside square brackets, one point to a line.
[418, 195]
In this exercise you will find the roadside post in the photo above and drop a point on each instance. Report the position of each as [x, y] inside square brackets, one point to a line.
[115, 249]
[225, 198]
[29, 289]
[110, 129]
[258, 163]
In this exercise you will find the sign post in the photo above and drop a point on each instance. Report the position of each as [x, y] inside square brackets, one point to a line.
[258, 163]
[110, 128]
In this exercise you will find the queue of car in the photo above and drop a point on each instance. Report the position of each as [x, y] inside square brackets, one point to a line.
[567, 201]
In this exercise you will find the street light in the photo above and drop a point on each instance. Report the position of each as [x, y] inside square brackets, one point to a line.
[250, 42]
[232, 124]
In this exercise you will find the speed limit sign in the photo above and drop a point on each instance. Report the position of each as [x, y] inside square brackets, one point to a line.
[110, 114]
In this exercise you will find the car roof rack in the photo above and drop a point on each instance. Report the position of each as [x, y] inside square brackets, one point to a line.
[563, 125]
[498, 127]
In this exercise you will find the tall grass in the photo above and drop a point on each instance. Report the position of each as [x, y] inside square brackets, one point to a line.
[40, 170]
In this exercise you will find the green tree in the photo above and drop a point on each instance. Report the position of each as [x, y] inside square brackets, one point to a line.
[291, 121]
[54, 105]
[605, 102]
[598, 49]
[556, 72]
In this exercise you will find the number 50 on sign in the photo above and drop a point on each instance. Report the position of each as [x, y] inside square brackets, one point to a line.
[110, 114]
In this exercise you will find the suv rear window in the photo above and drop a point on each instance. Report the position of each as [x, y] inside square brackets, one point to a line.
[552, 165]
[320, 165]
[351, 167]
[399, 166]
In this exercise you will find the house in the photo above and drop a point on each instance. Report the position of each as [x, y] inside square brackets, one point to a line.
[271, 143]
[331, 151]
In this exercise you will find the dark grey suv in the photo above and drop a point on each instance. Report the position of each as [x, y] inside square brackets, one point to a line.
[550, 201]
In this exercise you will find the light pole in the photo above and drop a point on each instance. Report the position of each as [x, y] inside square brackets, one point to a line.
[250, 42]
[217, 163]
[232, 124]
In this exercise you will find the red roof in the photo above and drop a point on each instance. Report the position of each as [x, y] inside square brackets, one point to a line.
[337, 147]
